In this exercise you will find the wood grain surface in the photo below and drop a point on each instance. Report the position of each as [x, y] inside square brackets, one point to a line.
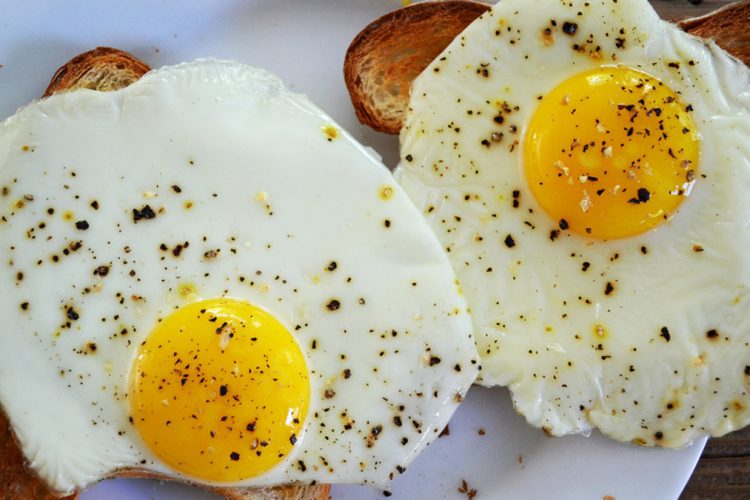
[723, 471]
[679, 9]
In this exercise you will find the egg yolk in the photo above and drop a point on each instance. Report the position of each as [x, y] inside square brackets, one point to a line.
[611, 153]
[220, 390]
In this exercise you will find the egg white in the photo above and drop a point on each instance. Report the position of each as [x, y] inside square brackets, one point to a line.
[267, 191]
[534, 308]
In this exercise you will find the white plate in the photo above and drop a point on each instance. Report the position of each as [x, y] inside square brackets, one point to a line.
[304, 42]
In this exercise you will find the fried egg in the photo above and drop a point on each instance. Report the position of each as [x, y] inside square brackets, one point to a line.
[205, 277]
[586, 166]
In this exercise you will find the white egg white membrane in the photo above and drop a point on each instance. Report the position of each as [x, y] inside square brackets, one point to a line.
[279, 202]
[634, 385]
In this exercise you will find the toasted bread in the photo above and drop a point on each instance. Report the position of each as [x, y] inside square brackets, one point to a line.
[103, 68]
[386, 56]
[19, 483]
[390, 52]
[728, 26]
[106, 69]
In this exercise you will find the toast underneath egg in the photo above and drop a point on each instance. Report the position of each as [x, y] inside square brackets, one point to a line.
[390, 52]
[108, 69]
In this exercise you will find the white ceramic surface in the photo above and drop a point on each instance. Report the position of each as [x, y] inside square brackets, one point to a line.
[304, 42]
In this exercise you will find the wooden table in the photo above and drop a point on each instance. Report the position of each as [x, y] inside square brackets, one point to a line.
[679, 9]
[723, 471]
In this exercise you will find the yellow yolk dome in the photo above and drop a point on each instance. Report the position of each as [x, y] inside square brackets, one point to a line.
[220, 390]
[611, 152]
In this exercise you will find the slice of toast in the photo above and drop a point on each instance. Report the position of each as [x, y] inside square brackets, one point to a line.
[390, 52]
[728, 26]
[18, 482]
[386, 56]
[106, 69]
[102, 68]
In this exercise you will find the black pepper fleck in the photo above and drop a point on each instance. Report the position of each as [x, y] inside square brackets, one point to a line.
[72, 314]
[144, 213]
[569, 28]
[665, 333]
[101, 271]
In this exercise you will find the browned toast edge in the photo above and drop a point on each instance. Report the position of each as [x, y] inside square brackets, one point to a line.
[84, 69]
[400, 54]
[728, 26]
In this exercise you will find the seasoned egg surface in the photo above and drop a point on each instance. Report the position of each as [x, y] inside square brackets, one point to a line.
[204, 276]
[586, 167]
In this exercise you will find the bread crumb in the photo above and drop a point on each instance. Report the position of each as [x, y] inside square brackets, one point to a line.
[608, 497]
[520, 458]
[467, 490]
[445, 432]
[481, 432]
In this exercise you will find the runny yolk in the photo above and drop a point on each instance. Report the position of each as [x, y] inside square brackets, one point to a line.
[220, 390]
[611, 153]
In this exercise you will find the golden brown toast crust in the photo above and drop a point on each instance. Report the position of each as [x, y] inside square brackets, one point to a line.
[103, 68]
[18, 482]
[390, 52]
[386, 56]
[728, 26]
[106, 69]
[287, 492]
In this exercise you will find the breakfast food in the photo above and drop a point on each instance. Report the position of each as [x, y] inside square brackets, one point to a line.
[103, 69]
[585, 165]
[386, 56]
[726, 26]
[390, 52]
[184, 286]
[107, 69]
